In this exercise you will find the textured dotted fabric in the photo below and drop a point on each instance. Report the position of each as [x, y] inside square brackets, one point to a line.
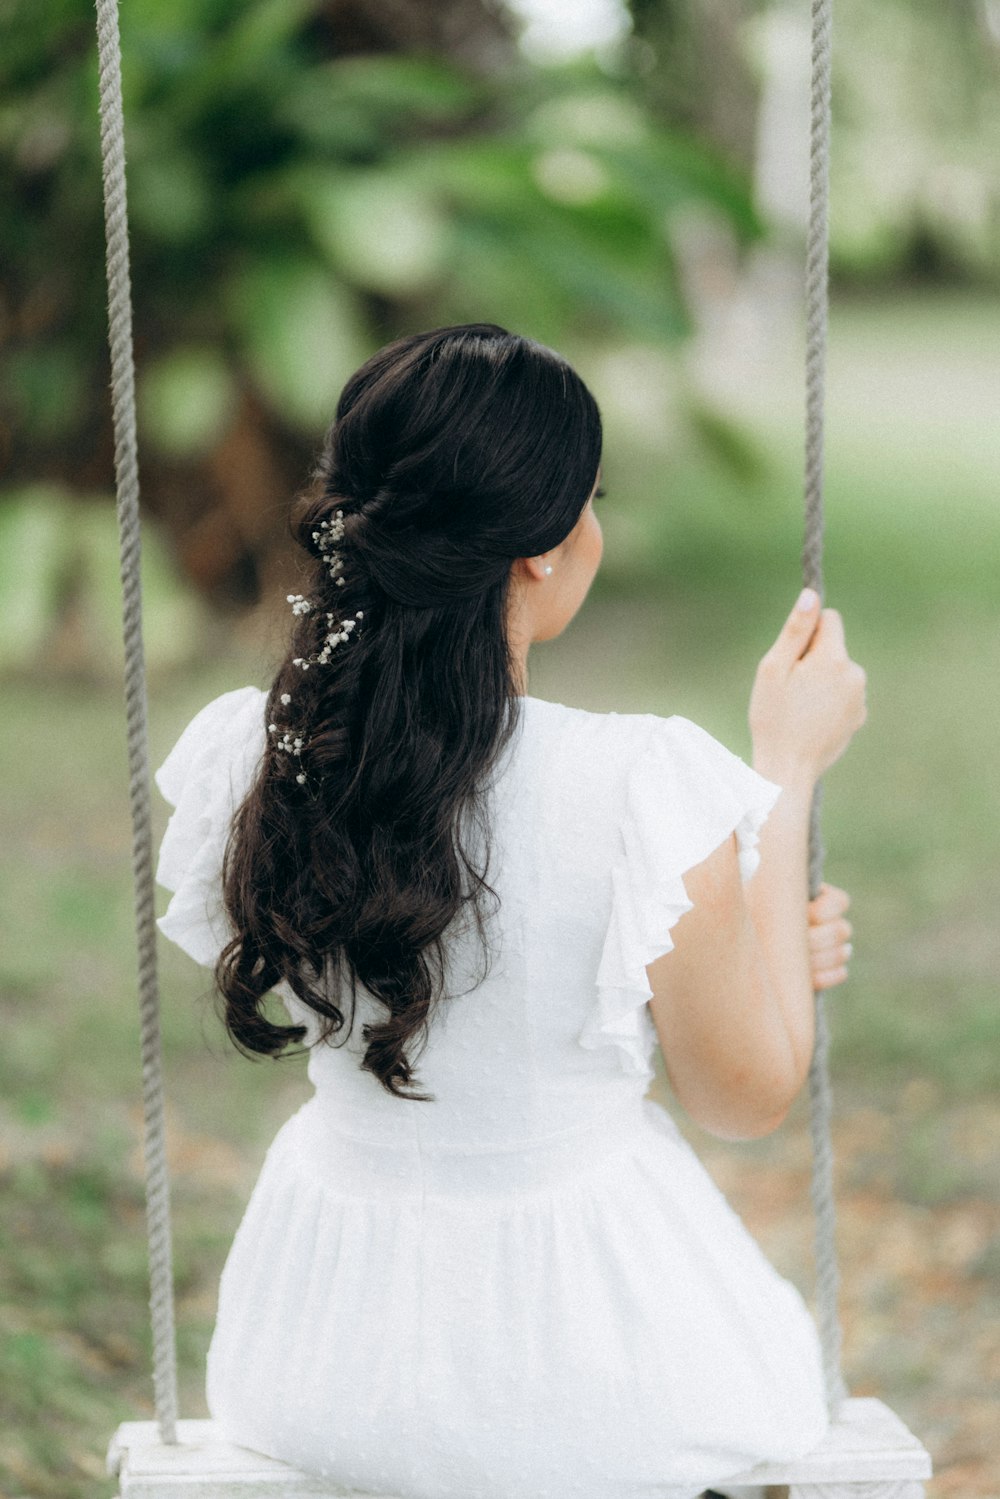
[529, 1288]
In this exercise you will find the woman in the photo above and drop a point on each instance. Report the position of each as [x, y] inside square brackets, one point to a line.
[479, 1261]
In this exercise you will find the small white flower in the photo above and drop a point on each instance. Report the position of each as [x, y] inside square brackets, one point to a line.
[286, 698]
[301, 778]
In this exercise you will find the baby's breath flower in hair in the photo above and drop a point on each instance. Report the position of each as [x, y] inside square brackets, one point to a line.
[289, 743]
[328, 533]
[326, 538]
[335, 636]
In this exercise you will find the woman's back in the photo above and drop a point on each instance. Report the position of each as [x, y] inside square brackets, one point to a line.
[528, 1285]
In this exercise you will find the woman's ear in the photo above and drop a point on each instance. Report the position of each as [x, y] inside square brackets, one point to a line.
[528, 569]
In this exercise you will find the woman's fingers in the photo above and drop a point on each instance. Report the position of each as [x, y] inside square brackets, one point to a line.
[829, 937]
[829, 965]
[830, 934]
[830, 902]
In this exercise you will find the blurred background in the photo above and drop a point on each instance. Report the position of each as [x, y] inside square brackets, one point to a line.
[309, 178]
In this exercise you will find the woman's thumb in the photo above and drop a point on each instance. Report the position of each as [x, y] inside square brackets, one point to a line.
[801, 623]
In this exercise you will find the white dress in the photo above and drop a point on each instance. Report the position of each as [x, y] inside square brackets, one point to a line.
[529, 1288]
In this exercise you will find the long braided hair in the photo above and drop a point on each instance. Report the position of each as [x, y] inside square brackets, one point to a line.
[452, 453]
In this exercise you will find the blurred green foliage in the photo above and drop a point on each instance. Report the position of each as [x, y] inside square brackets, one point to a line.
[915, 190]
[303, 187]
[291, 206]
[914, 178]
[297, 196]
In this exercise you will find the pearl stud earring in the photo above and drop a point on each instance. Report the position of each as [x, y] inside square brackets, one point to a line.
[548, 568]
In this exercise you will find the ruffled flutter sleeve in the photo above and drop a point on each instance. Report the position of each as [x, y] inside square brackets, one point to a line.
[205, 777]
[685, 794]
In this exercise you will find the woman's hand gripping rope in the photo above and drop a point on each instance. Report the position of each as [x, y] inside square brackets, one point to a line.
[829, 937]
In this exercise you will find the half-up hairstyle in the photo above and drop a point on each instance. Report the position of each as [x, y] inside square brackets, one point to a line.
[452, 453]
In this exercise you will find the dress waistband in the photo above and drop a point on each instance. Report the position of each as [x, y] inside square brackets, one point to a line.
[414, 1168]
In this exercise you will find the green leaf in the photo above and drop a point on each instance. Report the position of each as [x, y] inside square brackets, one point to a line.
[488, 281]
[397, 86]
[610, 267]
[588, 118]
[302, 336]
[731, 444]
[169, 197]
[46, 385]
[487, 176]
[355, 108]
[382, 232]
[261, 29]
[673, 170]
[35, 545]
[187, 398]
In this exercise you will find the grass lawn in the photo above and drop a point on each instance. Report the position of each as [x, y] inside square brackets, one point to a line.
[910, 818]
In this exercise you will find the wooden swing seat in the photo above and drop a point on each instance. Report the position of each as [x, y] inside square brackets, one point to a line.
[868, 1454]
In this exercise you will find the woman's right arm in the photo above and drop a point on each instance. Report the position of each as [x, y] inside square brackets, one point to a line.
[727, 1048]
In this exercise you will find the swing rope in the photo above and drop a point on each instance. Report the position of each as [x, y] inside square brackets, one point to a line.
[127, 484]
[816, 299]
[161, 1298]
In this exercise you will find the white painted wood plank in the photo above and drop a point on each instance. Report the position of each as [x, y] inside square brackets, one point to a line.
[868, 1454]
[890, 1490]
[868, 1442]
[202, 1466]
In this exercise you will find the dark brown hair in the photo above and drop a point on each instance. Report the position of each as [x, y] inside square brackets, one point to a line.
[452, 453]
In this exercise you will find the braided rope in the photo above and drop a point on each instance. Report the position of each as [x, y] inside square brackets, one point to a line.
[817, 265]
[127, 476]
